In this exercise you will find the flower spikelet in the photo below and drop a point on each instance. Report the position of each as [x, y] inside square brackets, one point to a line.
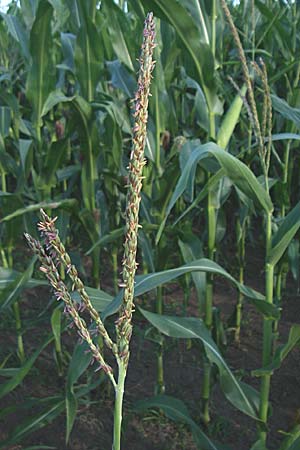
[59, 253]
[61, 293]
[136, 164]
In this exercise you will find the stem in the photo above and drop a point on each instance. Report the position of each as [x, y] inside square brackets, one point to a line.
[211, 218]
[241, 258]
[206, 392]
[158, 130]
[267, 337]
[213, 27]
[160, 387]
[96, 267]
[239, 308]
[115, 268]
[21, 352]
[3, 182]
[119, 394]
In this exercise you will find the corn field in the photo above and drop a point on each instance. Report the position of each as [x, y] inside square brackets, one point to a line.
[149, 225]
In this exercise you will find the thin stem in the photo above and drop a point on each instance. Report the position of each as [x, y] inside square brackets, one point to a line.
[160, 388]
[211, 219]
[115, 268]
[21, 351]
[3, 181]
[119, 395]
[267, 337]
[213, 27]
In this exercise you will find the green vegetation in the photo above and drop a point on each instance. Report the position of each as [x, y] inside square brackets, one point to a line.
[220, 136]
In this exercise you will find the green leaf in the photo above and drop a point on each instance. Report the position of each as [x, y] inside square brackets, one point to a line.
[287, 111]
[107, 239]
[71, 412]
[68, 203]
[194, 37]
[53, 99]
[54, 159]
[292, 441]
[88, 135]
[117, 21]
[56, 327]
[81, 358]
[145, 283]
[235, 170]
[16, 29]
[88, 58]
[281, 352]
[258, 445]
[10, 294]
[193, 328]
[284, 235]
[34, 423]
[284, 137]
[191, 249]
[176, 410]
[10, 385]
[230, 120]
[5, 119]
[40, 80]
[7, 276]
[99, 298]
[25, 150]
[120, 78]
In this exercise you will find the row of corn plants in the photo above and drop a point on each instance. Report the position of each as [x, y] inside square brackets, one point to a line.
[221, 140]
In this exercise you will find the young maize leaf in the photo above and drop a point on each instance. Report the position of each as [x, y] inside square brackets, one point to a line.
[177, 411]
[284, 235]
[145, 283]
[194, 328]
[240, 175]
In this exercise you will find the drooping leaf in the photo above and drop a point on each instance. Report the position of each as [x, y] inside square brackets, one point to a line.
[191, 249]
[10, 294]
[34, 423]
[194, 39]
[287, 111]
[18, 32]
[236, 171]
[292, 441]
[7, 276]
[284, 235]
[68, 203]
[11, 384]
[99, 298]
[53, 99]
[281, 352]
[120, 78]
[145, 283]
[117, 22]
[176, 410]
[194, 328]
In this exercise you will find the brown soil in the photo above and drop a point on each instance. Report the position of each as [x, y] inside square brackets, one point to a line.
[183, 374]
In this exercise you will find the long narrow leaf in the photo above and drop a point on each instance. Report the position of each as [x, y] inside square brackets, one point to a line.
[284, 235]
[192, 328]
[145, 283]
